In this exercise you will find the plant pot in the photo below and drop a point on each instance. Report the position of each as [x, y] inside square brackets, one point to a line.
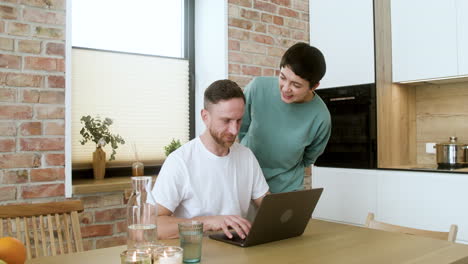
[99, 163]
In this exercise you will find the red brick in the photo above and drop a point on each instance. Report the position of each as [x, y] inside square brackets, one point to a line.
[260, 27]
[288, 12]
[30, 129]
[242, 81]
[111, 242]
[268, 72]
[240, 23]
[267, 18]
[52, 97]
[301, 6]
[300, 35]
[61, 65]
[281, 31]
[15, 112]
[50, 4]
[234, 45]
[260, 5]
[250, 15]
[10, 61]
[54, 128]
[30, 96]
[7, 95]
[49, 112]
[56, 81]
[21, 80]
[263, 39]
[43, 190]
[251, 70]
[44, 17]
[29, 46]
[96, 230]
[252, 47]
[102, 201]
[6, 43]
[7, 129]
[41, 63]
[278, 20]
[238, 34]
[19, 29]
[14, 176]
[2, 26]
[55, 49]
[246, 3]
[49, 174]
[8, 12]
[286, 3]
[19, 160]
[296, 24]
[121, 227]
[7, 145]
[240, 57]
[55, 159]
[7, 193]
[272, 62]
[234, 68]
[49, 33]
[42, 144]
[110, 214]
[88, 244]
[275, 51]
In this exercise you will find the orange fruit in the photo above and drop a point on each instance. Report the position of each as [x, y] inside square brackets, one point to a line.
[12, 251]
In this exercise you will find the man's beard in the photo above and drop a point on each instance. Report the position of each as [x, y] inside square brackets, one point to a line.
[220, 141]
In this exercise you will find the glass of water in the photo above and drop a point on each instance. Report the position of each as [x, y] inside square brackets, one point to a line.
[191, 235]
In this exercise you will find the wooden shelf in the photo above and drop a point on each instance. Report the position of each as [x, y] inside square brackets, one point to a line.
[86, 186]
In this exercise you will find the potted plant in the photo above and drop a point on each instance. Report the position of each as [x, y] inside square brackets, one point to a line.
[175, 144]
[97, 130]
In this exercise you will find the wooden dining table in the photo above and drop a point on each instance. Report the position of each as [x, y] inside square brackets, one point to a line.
[322, 242]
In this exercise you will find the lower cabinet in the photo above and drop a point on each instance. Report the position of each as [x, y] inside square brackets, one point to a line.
[423, 200]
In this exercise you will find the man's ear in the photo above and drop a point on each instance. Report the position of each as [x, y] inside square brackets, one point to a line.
[204, 115]
[314, 86]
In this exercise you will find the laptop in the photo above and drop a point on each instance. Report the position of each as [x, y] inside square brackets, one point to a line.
[281, 216]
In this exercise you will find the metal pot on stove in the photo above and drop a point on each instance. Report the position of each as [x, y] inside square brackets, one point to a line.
[452, 154]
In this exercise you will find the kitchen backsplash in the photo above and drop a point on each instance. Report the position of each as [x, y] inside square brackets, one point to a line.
[441, 112]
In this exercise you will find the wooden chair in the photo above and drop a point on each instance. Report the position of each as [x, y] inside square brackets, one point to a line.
[450, 236]
[46, 229]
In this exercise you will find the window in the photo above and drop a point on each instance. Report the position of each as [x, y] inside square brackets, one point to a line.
[130, 62]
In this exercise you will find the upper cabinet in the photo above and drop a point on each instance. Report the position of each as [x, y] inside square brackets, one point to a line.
[462, 28]
[429, 39]
[344, 31]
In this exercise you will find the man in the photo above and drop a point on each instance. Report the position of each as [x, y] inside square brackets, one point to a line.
[286, 124]
[212, 178]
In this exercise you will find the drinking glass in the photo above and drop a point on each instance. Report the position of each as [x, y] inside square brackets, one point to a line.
[191, 235]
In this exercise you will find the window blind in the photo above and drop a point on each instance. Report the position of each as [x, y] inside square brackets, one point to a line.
[147, 97]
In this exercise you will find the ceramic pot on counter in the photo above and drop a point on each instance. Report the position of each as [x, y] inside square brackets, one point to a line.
[452, 154]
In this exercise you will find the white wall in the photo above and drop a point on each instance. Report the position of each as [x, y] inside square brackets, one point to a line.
[210, 50]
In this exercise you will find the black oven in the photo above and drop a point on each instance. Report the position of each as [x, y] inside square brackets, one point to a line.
[353, 140]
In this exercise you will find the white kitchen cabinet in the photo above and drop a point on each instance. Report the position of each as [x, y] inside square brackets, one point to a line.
[426, 200]
[424, 39]
[423, 200]
[348, 195]
[462, 30]
[344, 31]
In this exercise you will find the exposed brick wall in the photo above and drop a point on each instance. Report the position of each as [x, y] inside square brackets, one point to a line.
[32, 118]
[259, 33]
[32, 100]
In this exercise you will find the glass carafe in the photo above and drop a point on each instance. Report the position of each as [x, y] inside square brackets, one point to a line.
[141, 214]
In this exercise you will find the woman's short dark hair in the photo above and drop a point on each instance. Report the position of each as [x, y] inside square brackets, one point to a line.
[305, 61]
[222, 90]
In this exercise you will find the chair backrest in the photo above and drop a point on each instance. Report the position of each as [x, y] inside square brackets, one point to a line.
[450, 236]
[46, 229]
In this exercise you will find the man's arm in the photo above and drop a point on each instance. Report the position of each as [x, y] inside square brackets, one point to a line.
[259, 200]
[168, 224]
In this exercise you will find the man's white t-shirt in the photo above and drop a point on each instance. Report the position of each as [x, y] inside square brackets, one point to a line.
[195, 182]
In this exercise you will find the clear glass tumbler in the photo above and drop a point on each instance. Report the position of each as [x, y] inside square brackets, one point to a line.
[191, 237]
[141, 214]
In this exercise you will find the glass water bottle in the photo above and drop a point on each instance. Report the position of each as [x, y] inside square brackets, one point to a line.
[141, 214]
